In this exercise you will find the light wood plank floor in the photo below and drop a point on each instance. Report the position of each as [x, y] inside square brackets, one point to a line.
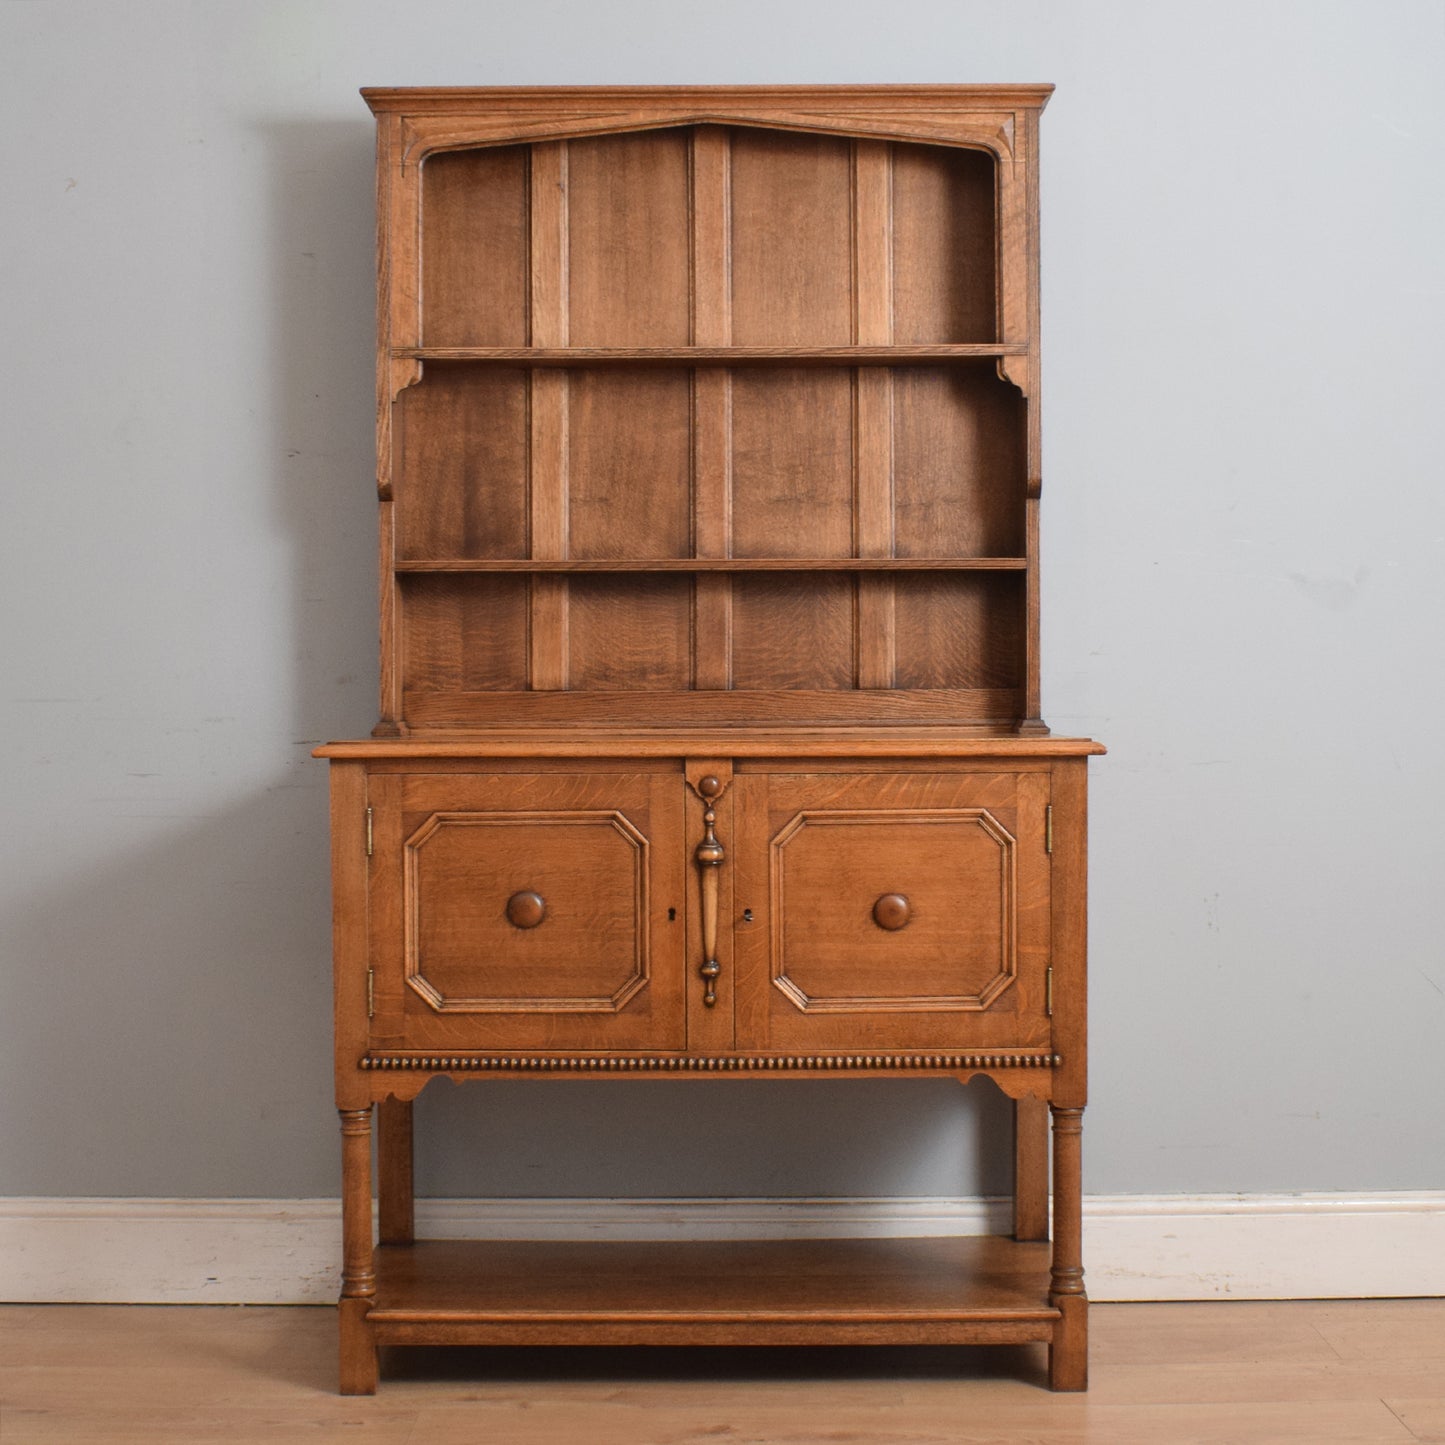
[1165, 1374]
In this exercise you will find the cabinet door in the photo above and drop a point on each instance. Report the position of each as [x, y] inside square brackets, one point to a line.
[891, 911]
[527, 911]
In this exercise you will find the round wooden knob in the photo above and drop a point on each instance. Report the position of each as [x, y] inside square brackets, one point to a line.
[526, 909]
[709, 786]
[891, 911]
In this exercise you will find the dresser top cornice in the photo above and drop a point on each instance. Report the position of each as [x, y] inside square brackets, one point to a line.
[413, 100]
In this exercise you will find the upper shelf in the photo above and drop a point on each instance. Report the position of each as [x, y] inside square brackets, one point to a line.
[530, 356]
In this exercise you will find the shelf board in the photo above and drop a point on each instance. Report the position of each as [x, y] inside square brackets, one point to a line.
[817, 1291]
[715, 564]
[913, 355]
[637, 740]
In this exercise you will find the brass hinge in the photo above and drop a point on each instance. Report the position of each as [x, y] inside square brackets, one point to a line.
[1049, 990]
[1048, 828]
[371, 993]
[369, 837]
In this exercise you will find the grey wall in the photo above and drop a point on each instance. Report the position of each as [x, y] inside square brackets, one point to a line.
[1243, 585]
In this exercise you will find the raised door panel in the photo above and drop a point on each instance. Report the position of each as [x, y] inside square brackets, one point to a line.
[527, 911]
[892, 911]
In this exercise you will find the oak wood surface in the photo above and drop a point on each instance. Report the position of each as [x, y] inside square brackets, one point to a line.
[718, 355]
[452, 970]
[1031, 1169]
[968, 968]
[780, 684]
[711, 741]
[474, 222]
[759, 741]
[714, 564]
[739, 243]
[395, 1193]
[796, 1282]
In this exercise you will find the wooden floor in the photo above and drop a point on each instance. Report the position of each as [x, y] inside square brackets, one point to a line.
[1165, 1374]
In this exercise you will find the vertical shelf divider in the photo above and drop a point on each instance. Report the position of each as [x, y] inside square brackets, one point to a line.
[873, 409]
[547, 449]
[711, 405]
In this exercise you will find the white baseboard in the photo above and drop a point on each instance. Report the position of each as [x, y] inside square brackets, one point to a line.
[1136, 1247]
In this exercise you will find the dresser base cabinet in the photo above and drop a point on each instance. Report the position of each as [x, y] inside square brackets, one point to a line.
[865, 917]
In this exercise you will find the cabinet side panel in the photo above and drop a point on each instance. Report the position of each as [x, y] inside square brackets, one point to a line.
[791, 240]
[958, 438]
[462, 484]
[943, 245]
[792, 463]
[793, 630]
[474, 248]
[628, 246]
[629, 437]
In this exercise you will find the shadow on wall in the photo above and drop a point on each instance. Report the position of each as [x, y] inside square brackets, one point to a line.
[663, 1138]
[189, 1054]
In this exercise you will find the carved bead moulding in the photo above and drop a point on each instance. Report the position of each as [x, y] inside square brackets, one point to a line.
[696, 1063]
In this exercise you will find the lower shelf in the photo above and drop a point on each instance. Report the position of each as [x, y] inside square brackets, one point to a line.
[842, 1291]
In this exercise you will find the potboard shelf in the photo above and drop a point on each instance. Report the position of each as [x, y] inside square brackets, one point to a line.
[835, 1291]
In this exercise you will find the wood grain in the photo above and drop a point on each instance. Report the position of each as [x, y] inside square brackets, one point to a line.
[464, 634]
[604, 851]
[627, 206]
[959, 463]
[1031, 1169]
[714, 355]
[712, 403]
[121, 1375]
[966, 971]
[629, 438]
[548, 452]
[474, 247]
[461, 486]
[792, 632]
[395, 1194]
[959, 631]
[717, 564]
[792, 463]
[943, 251]
[857, 748]
[791, 239]
[820, 652]
[656, 1292]
[708, 439]
[629, 634]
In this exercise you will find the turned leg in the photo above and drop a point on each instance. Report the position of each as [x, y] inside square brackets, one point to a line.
[1031, 1169]
[395, 1200]
[1069, 1352]
[358, 1278]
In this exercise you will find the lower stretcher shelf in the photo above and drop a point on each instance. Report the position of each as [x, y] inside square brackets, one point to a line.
[985, 1290]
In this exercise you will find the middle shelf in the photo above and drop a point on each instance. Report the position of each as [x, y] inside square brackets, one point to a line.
[713, 564]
